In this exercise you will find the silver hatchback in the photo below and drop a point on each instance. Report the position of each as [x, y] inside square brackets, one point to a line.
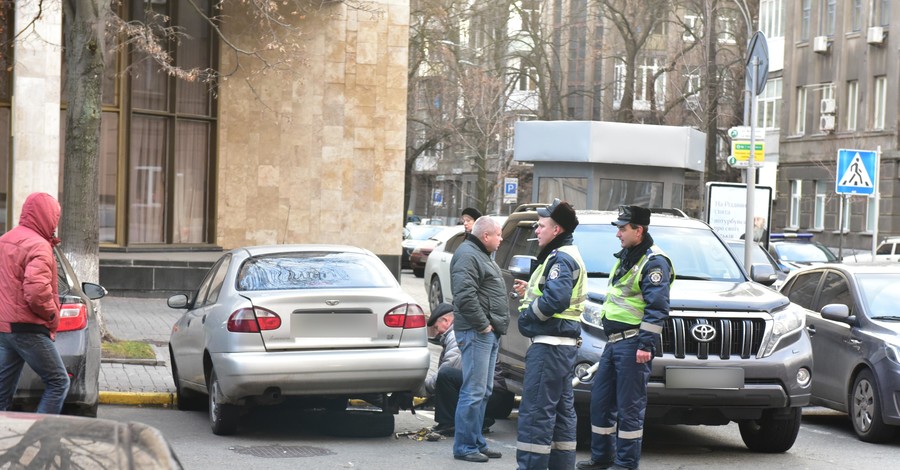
[271, 322]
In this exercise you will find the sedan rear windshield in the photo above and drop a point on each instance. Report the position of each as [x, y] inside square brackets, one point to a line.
[313, 270]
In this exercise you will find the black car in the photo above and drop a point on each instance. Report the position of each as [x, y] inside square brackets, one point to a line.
[854, 325]
[78, 342]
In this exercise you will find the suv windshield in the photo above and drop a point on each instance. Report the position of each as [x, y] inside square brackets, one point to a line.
[705, 257]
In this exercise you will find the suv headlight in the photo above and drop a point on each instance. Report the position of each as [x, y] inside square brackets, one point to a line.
[591, 314]
[786, 322]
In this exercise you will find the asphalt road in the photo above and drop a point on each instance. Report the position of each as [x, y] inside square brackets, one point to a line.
[279, 437]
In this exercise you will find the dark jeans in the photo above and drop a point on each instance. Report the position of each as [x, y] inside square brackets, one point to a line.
[39, 352]
[446, 396]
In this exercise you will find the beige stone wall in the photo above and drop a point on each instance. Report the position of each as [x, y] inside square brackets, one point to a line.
[325, 163]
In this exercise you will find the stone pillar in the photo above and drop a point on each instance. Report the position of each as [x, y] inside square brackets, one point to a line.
[36, 102]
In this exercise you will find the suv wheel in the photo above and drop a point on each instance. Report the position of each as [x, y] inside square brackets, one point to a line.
[771, 434]
[865, 410]
[435, 294]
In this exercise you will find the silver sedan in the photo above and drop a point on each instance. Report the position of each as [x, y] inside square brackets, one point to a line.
[270, 322]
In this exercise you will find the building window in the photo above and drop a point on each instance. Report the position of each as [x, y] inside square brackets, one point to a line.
[856, 11]
[725, 30]
[771, 18]
[613, 192]
[769, 105]
[691, 27]
[880, 101]
[819, 215]
[647, 82]
[871, 214]
[852, 104]
[619, 82]
[884, 12]
[573, 190]
[527, 77]
[801, 111]
[828, 17]
[795, 204]
[804, 20]
[172, 131]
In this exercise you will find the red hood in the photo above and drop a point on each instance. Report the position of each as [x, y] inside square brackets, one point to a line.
[41, 213]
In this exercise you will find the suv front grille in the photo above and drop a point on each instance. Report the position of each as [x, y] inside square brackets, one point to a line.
[740, 337]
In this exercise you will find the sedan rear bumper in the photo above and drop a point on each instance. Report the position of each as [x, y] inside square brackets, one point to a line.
[295, 373]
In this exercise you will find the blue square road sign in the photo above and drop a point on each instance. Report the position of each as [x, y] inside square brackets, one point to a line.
[856, 172]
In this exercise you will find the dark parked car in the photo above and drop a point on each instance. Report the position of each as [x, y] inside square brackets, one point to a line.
[854, 325]
[795, 250]
[78, 342]
[752, 366]
[29, 440]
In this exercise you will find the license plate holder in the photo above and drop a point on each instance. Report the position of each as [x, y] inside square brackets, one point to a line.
[705, 378]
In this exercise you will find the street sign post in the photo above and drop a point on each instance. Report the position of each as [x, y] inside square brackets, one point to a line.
[856, 172]
[437, 197]
[510, 190]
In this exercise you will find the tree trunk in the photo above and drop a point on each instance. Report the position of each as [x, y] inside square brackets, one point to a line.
[84, 29]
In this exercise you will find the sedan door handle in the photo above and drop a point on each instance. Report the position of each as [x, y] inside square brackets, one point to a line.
[811, 330]
[854, 342]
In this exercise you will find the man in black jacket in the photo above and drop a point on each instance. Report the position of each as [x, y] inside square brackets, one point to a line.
[481, 316]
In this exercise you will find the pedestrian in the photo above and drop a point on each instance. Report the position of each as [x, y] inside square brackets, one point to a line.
[468, 218]
[636, 307]
[29, 304]
[446, 399]
[481, 317]
[440, 329]
[552, 303]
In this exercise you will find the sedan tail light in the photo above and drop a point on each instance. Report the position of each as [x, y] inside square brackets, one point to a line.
[72, 317]
[406, 316]
[253, 320]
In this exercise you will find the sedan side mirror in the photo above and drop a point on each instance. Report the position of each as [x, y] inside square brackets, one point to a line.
[178, 301]
[520, 266]
[93, 291]
[838, 313]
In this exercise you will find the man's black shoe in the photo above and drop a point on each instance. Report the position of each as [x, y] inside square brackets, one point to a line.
[491, 453]
[443, 429]
[593, 465]
[474, 457]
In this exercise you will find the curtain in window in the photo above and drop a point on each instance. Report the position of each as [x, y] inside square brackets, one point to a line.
[190, 181]
[109, 148]
[193, 97]
[147, 187]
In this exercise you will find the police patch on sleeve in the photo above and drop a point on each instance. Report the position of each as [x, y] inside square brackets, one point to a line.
[656, 276]
[554, 272]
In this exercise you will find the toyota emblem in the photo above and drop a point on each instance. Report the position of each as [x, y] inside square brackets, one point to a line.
[703, 332]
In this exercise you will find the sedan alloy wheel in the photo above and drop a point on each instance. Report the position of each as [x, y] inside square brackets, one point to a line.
[435, 295]
[865, 410]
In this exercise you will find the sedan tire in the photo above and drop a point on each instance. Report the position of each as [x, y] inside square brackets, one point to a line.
[435, 294]
[865, 410]
[185, 400]
[223, 418]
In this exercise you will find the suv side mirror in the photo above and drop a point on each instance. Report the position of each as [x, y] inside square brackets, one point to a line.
[520, 266]
[763, 274]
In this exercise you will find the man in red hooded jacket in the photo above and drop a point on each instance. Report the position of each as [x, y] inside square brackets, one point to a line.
[29, 304]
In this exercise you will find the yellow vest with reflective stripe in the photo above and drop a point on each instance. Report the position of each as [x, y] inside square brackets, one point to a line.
[624, 300]
[576, 304]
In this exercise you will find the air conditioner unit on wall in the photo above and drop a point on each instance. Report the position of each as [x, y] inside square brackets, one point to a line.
[820, 44]
[828, 106]
[875, 35]
[826, 122]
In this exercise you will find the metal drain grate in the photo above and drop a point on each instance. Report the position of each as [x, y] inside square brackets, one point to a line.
[282, 452]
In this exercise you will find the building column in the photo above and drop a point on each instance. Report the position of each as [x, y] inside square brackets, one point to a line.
[36, 102]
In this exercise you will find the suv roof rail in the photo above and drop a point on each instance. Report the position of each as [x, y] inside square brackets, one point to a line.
[530, 207]
[668, 210]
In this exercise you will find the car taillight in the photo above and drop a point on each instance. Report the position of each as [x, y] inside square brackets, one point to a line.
[72, 317]
[405, 316]
[253, 320]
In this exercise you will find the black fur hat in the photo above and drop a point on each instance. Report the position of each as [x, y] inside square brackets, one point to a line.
[472, 212]
[562, 213]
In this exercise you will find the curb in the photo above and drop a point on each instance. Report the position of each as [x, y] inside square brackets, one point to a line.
[138, 398]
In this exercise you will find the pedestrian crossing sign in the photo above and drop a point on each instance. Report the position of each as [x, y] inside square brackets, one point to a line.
[856, 172]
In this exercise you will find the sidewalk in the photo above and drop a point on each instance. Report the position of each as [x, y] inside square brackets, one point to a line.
[148, 320]
[138, 319]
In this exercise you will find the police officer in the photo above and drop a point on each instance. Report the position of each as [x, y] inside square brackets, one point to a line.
[552, 302]
[636, 306]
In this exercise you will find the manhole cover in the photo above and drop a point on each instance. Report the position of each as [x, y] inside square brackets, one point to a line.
[282, 452]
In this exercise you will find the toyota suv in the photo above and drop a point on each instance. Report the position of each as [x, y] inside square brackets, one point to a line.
[731, 349]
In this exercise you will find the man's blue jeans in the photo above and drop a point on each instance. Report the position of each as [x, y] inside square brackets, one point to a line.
[478, 355]
[40, 353]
